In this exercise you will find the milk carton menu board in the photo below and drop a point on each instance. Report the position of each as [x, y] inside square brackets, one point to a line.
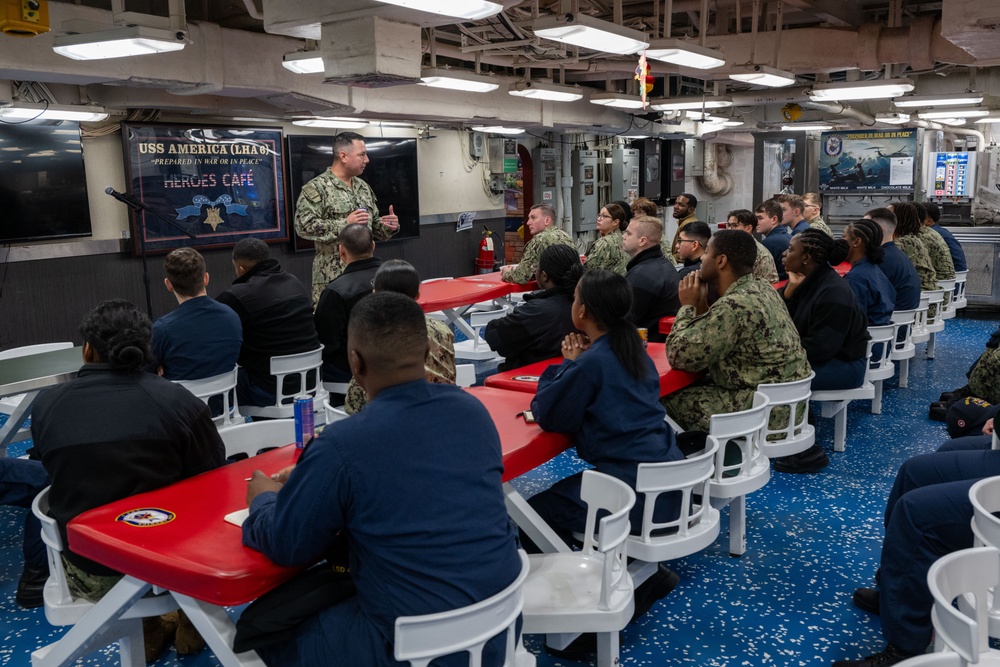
[953, 174]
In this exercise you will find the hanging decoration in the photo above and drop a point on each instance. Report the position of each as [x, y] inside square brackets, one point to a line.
[642, 75]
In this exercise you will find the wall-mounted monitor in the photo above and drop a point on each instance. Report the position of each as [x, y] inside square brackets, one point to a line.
[43, 187]
[391, 173]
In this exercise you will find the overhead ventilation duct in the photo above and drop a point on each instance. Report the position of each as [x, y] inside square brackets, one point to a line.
[715, 181]
[371, 52]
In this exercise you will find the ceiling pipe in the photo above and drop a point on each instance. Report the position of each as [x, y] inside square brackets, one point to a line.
[841, 110]
[963, 131]
[252, 9]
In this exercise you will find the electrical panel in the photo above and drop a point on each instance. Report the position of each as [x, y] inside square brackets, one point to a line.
[583, 166]
[546, 163]
[625, 174]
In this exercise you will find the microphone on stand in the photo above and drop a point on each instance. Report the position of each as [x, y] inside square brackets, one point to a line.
[121, 196]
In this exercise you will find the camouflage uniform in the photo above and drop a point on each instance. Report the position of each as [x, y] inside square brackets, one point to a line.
[439, 367]
[746, 338]
[671, 250]
[819, 223]
[608, 253]
[944, 266]
[984, 380]
[321, 212]
[915, 250]
[763, 266]
[529, 261]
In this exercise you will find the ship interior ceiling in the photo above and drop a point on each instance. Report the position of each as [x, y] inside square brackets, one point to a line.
[374, 52]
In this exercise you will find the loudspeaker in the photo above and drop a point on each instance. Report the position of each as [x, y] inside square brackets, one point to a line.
[477, 144]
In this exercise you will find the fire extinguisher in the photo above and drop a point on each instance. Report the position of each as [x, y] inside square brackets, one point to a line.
[484, 262]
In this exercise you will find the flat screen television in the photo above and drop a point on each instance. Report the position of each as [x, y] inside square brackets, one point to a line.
[43, 187]
[391, 173]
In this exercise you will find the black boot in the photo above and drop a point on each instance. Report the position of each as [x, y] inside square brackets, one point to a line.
[30, 586]
[813, 459]
[867, 599]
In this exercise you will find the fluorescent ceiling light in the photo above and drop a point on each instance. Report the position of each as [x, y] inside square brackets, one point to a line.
[470, 10]
[331, 121]
[136, 40]
[893, 118]
[706, 117]
[728, 123]
[691, 102]
[617, 100]
[497, 129]
[876, 89]
[53, 112]
[303, 62]
[457, 79]
[590, 33]
[802, 127]
[539, 90]
[953, 113]
[938, 100]
[633, 137]
[684, 54]
[990, 119]
[762, 75]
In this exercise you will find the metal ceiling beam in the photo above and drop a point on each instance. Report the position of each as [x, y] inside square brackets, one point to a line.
[834, 12]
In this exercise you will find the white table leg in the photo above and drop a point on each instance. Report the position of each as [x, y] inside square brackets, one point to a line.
[531, 523]
[217, 630]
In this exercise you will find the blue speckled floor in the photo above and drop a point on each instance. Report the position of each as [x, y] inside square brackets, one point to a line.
[811, 540]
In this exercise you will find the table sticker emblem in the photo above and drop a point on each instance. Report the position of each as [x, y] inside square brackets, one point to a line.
[146, 517]
[526, 378]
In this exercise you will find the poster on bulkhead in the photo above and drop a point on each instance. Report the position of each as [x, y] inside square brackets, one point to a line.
[868, 160]
[219, 183]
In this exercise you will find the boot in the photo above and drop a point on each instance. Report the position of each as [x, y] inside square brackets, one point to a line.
[187, 641]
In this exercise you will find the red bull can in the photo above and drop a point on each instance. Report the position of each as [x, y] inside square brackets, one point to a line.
[304, 426]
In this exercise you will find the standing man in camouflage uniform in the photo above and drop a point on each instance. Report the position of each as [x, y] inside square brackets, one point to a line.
[746, 338]
[334, 199]
[541, 223]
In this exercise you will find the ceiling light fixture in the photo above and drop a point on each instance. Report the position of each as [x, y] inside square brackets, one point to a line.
[893, 118]
[684, 54]
[953, 113]
[540, 90]
[331, 121]
[617, 100]
[805, 127]
[457, 79]
[704, 117]
[876, 89]
[763, 75]
[692, 102]
[989, 119]
[497, 129]
[590, 33]
[303, 62]
[79, 113]
[470, 10]
[910, 101]
[136, 40]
